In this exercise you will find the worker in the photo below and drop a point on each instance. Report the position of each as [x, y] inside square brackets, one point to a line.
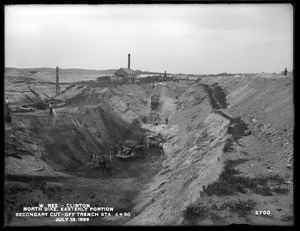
[108, 163]
[145, 136]
[128, 104]
[7, 114]
[285, 71]
[142, 139]
[51, 108]
[94, 160]
[6, 100]
[156, 123]
[120, 143]
[103, 164]
[115, 149]
[146, 141]
[161, 148]
[166, 120]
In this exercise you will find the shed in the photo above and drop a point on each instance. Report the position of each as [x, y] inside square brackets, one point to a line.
[126, 75]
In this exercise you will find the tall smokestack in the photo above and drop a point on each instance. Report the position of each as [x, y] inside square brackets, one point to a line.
[128, 61]
[57, 81]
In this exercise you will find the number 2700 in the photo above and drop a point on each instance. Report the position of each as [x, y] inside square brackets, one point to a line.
[263, 212]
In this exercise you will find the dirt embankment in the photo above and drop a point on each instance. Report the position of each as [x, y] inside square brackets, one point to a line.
[255, 185]
[65, 141]
[227, 165]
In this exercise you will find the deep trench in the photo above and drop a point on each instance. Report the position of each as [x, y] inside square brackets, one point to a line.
[117, 129]
[142, 171]
[87, 180]
[155, 106]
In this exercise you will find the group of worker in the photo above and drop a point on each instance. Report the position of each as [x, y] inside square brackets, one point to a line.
[101, 161]
[7, 110]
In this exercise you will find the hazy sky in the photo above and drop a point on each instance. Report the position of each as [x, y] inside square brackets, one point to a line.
[177, 38]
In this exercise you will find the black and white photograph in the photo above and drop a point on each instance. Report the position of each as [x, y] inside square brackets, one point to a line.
[148, 114]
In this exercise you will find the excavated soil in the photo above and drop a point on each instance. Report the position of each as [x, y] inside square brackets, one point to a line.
[247, 119]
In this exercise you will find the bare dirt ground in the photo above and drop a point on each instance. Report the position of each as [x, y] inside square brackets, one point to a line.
[115, 188]
[228, 151]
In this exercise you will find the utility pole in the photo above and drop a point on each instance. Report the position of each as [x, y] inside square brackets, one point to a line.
[57, 81]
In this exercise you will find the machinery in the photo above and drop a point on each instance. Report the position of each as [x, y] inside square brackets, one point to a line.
[126, 153]
[23, 108]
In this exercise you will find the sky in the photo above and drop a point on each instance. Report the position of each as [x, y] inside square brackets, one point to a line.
[184, 38]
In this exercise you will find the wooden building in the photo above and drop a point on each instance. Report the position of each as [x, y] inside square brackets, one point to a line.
[126, 75]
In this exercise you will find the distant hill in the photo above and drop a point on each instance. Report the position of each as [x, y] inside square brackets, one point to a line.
[11, 71]
[75, 70]
[66, 75]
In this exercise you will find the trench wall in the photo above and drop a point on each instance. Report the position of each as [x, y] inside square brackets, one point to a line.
[195, 139]
[69, 140]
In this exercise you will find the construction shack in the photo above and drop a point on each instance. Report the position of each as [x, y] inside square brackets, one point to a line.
[125, 75]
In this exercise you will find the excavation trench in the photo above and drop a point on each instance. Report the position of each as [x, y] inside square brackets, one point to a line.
[68, 145]
[49, 160]
[70, 142]
[163, 104]
[195, 137]
[194, 148]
